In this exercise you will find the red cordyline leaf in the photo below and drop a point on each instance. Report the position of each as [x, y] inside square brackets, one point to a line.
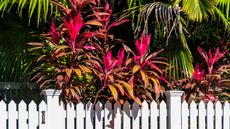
[79, 4]
[117, 23]
[109, 62]
[142, 45]
[198, 73]
[203, 54]
[121, 54]
[54, 34]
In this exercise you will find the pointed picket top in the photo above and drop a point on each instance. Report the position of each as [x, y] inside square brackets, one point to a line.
[12, 114]
[108, 105]
[22, 104]
[136, 113]
[108, 115]
[80, 114]
[210, 114]
[3, 114]
[89, 114]
[193, 115]
[153, 108]
[117, 114]
[210, 104]
[32, 106]
[42, 103]
[218, 115]
[98, 111]
[127, 108]
[201, 115]
[99, 114]
[135, 110]
[163, 115]
[145, 115]
[226, 114]
[184, 115]
[117, 108]
[12, 103]
[163, 104]
[2, 104]
[154, 113]
[127, 115]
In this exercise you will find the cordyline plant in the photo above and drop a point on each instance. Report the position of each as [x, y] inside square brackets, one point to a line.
[78, 57]
[205, 85]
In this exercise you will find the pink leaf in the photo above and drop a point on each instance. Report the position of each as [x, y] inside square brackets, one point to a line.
[89, 47]
[198, 73]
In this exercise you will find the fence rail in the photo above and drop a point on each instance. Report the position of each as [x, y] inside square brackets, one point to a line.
[55, 115]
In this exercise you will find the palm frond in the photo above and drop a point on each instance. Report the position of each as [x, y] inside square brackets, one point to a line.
[39, 9]
[172, 34]
[15, 62]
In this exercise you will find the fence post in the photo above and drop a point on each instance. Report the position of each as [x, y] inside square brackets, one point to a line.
[174, 109]
[54, 113]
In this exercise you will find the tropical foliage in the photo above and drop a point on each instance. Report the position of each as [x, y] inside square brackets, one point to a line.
[83, 48]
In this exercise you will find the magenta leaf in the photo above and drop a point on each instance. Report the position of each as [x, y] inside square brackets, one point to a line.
[198, 73]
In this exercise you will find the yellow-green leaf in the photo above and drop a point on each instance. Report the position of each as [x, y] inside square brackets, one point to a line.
[128, 88]
[68, 72]
[78, 72]
[85, 69]
[114, 92]
[145, 78]
[94, 23]
[136, 68]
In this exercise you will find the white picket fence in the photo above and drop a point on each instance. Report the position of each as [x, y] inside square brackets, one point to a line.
[55, 115]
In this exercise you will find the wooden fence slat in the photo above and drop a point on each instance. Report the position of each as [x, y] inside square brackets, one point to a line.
[33, 115]
[117, 115]
[193, 115]
[184, 115]
[145, 115]
[108, 115]
[3, 114]
[127, 115]
[89, 116]
[42, 114]
[99, 114]
[80, 114]
[201, 115]
[218, 115]
[163, 115]
[226, 113]
[136, 116]
[22, 116]
[210, 114]
[12, 115]
[154, 113]
[70, 115]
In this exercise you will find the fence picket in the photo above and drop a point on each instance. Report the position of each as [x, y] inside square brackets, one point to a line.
[218, 115]
[136, 116]
[12, 115]
[99, 114]
[201, 115]
[33, 115]
[3, 114]
[117, 115]
[22, 115]
[145, 115]
[127, 115]
[42, 114]
[154, 113]
[184, 115]
[80, 114]
[193, 115]
[210, 114]
[163, 115]
[89, 116]
[70, 115]
[226, 113]
[108, 115]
